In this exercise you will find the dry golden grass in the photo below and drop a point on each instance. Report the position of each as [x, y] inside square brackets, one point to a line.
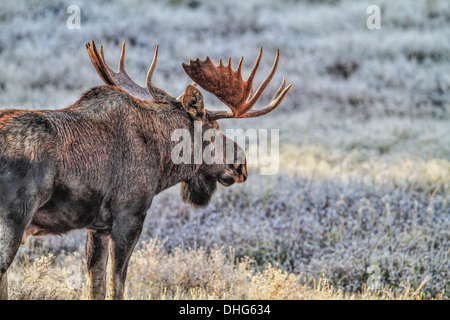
[184, 274]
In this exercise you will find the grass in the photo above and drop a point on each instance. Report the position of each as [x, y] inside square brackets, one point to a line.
[188, 274]
[364, 147]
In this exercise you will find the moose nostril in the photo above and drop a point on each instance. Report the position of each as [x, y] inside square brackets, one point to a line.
[244, 171]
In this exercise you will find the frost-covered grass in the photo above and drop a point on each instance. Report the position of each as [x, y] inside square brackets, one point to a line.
[187, 274]
[364, 145]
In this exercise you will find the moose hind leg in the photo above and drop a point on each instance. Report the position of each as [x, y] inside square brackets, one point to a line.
[97, 257]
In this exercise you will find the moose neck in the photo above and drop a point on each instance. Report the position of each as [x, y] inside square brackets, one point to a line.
[166, 118]
[197, 179]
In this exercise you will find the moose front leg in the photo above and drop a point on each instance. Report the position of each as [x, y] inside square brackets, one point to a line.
[97, 244]
[124, 236]
[4, 286]
[11, 233]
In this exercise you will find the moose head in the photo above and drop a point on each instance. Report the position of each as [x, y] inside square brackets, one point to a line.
[224, 83]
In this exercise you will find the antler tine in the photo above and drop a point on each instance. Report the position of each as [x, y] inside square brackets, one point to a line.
[276, 100]
[122, 59]
[152, 68]
[255, 67]
[99, 67]
[239, 68]
[157, 93]
[280, 89]
[252, 99]
[251, 92]
[121, 68]
[102, 56]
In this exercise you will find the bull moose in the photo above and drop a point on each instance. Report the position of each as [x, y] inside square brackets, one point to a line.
[98, 163]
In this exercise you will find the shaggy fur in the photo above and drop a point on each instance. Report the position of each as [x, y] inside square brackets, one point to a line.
[199, 190]
[96, 165]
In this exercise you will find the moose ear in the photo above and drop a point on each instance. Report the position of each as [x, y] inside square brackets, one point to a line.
[192, 101]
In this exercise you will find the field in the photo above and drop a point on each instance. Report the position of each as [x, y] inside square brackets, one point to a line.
[364, 175]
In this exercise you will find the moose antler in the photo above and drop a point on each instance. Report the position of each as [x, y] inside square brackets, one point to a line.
[121, 78]
[229, 87]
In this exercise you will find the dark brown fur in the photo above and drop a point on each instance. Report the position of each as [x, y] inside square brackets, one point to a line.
[97, 165]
